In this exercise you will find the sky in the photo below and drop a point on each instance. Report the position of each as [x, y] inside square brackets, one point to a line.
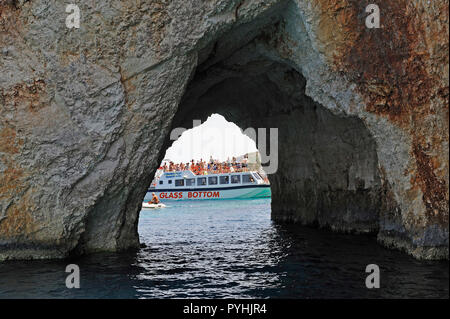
[216, 136]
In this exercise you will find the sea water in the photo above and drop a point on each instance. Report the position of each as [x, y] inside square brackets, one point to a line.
[231, 249]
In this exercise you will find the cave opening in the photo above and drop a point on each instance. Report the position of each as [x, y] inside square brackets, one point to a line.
[327, 168]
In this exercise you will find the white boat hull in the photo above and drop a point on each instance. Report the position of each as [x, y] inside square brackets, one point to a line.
[153, 206]
[256, 191]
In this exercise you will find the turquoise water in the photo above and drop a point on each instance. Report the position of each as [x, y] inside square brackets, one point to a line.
[231, 248]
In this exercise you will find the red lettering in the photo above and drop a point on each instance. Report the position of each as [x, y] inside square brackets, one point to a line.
[209, 194]
[189, 194]
[216, 194]
[180, 195]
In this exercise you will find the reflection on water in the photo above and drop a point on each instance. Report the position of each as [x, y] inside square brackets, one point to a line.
[215, 249]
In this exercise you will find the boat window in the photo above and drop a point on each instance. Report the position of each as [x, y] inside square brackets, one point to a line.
[247, 178]
[201, 181]
[224, 179]
[190, 181]
[212, 180]
[161, 182]
[235, 179]
[170, 181]
[179, 182]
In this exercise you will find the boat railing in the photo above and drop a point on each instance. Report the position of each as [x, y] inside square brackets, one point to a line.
[210, 172]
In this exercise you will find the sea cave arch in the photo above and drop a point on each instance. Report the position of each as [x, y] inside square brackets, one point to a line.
[363, 130]
[327, 172]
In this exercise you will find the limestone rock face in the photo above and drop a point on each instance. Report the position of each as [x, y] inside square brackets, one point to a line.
[85, 114]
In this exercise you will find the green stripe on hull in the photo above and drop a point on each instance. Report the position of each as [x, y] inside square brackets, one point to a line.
[257, 193]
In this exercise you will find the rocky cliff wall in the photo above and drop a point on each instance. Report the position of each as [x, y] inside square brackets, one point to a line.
[86, 113]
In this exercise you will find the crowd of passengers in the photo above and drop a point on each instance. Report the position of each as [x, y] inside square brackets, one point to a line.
[211, 167]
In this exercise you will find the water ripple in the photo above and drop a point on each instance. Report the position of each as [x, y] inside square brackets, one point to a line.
[231, 249]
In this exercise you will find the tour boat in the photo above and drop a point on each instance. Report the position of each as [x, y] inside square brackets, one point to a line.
[185, 185]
